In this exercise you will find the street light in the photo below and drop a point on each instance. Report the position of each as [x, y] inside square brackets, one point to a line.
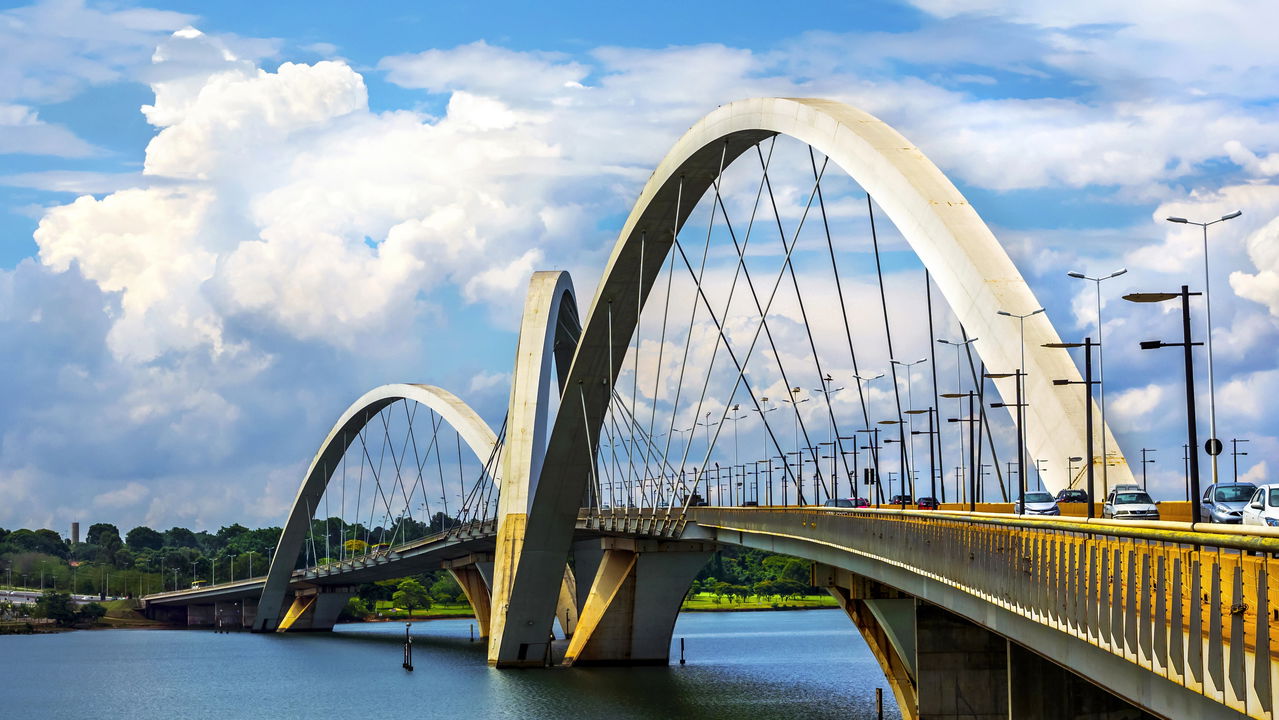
[1191, 433]
[1234, 452]
[910, 405]
[799, 481]
[1021, 376]
[1087, 382]
[960, 346]
[1021, 433]
[827, 390]
[1101, 371]
[1145, 462]
[1213, 445]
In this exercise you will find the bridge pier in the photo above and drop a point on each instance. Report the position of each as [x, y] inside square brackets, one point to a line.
[470, 576]
[315, 608]
[941, 666]
[630, 609]
[227, 614]
[199, 615]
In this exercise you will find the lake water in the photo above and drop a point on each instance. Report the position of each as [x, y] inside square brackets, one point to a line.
[743, 665]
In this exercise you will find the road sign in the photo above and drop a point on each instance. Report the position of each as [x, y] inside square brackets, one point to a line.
[1213, 446]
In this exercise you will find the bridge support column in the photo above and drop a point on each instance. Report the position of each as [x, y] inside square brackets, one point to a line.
[476, 590]
[248, 612]
[1039, 689]
[630, 610]
[961, 667]
[315, 609]
[199, 615]
[566, 610]
[227, 614]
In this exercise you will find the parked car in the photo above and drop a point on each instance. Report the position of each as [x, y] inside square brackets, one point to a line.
[1038, 503]
[1129, 502]
[928, 503]
[901, 500]
[1072, 496]
[1224, 502]
[1263, 507]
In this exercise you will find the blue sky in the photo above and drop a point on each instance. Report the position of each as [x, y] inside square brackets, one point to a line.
[219, 224]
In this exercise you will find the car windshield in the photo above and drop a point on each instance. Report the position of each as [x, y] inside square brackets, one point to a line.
[1235, 493]
[1131, 498]
[1038, 497]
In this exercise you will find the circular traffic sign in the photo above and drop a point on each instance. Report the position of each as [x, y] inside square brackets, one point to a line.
[1213, 446]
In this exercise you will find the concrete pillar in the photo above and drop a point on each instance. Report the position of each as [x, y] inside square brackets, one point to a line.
[1039, 689]
[227, 614]
[566, 610]
[961, 667]
[248, 612]
[199, 615]
[477, 594]
[318, 608]
[630, 610]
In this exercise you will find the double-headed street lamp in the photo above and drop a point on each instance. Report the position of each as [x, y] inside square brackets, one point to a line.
[910, 405]
[827, 390]
[960, 346]
[1186, 344]
[1021, 376]
[1101, 370]
[1145, 462]
[972, 421]
[1021, 433]
[1213, 446]
[1087, 382]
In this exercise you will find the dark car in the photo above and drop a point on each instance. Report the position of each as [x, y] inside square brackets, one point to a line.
[751, 503]
[841, 503]
[1072, 496]
[901, 500]
[928, 503]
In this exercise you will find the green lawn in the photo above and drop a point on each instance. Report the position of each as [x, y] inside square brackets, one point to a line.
[386, 609]
[707, 601]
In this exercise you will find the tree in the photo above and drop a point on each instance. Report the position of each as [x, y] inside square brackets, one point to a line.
[56, 606]
[178, 537]
[91, 613]
[100, 532]
[445, 589]
[410, 594]
[144, 538]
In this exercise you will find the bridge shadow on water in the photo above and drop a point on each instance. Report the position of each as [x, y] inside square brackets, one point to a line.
[759, 665]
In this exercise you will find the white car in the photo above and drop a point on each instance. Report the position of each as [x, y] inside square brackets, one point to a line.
[1263, 506]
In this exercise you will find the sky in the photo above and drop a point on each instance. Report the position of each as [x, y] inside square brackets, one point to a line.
[222, 223]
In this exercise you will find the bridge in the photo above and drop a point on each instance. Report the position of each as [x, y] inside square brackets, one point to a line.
[619, 469]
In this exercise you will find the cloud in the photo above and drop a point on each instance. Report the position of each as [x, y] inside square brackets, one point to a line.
[22, 132]
[130, 494]
[1134, 404]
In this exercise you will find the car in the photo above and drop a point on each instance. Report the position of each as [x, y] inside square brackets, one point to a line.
[1071, 495]
[1263, 507]
[928, 503]
[1038, 503]
[1224, 502]
[901, 500]
[1129, 502]
[839, 503]
[750, 503]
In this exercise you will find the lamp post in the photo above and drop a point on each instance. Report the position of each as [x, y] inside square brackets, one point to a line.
[799, 480]
[874, 447]
[1234, 453]
[1144, 463]
[736, 416]
[932, 456]
[1213, 445]
[868, 379]
[763, 411]
[910, 405]
[1187, 344]
[1021, 433]
[1087, 382]
[827, 390]
[960, 346]
[972, 420]
[1101, 372]
[1070, 470]
[1021, 375]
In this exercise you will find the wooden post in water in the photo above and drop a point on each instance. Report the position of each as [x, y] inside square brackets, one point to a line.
[681, 651]
[879, 703]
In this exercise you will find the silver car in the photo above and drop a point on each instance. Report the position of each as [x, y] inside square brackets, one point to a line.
[1129, 502]
[1224, 502]
[1038, 503]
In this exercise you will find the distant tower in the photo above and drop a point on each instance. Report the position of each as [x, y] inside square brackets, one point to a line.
[75, 533]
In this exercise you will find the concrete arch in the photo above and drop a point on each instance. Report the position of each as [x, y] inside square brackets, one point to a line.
[549, 331]
[477, 435]
[970, 267]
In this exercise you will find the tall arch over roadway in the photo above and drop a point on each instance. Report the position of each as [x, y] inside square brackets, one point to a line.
[478, 436]
[970, 267]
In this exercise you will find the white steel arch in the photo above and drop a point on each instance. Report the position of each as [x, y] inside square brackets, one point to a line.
[477, 435]
[969, 266]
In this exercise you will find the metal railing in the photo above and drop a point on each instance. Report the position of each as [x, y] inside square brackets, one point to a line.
[1198, 605]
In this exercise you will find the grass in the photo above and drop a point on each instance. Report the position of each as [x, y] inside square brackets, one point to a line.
[386, 610]
[706, 602]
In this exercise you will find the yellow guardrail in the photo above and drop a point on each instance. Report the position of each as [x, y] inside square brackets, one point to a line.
[1197, 604]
